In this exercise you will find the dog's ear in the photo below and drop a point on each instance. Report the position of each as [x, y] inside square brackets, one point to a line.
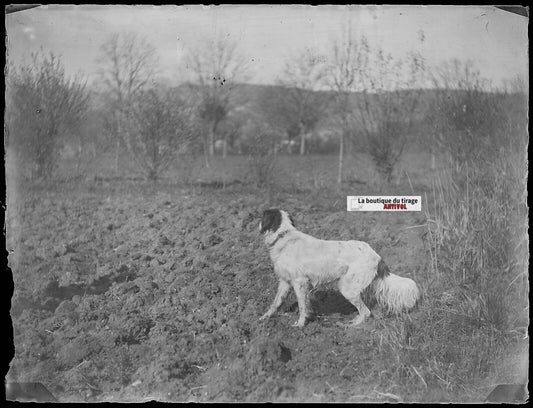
[271, 220]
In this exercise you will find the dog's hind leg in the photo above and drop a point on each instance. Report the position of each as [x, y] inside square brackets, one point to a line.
[351, 290]
[364, 312]
[283, 290]
[302, 294]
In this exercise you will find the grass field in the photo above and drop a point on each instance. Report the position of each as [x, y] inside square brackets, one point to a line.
[127, 290]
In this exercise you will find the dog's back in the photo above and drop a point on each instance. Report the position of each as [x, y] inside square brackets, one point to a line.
[323, 260]
[304, 247]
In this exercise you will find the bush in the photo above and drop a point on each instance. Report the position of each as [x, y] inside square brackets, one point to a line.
[470, 124]
[260, 147]
[160, 130]
[42, 104]
[386, 147]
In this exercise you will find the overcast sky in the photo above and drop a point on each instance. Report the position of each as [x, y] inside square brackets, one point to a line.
[495, 40]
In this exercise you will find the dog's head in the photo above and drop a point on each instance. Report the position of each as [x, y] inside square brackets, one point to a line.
[274, 219]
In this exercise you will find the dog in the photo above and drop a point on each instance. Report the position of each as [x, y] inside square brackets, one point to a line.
[301, 260]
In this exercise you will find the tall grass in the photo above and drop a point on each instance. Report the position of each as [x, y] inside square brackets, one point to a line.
[477, 241]
[475, 306]
[476, 296]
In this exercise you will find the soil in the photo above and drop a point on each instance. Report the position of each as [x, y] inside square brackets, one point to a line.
[132, 294]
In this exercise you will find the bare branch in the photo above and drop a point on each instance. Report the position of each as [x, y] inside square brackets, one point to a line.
[44, 104]
[217, 67]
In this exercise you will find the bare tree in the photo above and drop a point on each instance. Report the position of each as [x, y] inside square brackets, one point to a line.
[296, 106]
[231, 128]
[127, 67]
[42, 104]
[342, 75]
[161, 128]
[377, 97]
[261, 141]
[299, 105]
[216, 67]
[469, 119]
[386, 109]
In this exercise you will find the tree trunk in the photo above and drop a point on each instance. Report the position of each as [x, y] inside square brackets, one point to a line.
[302, 139]
[211, 141]
[154, 171]
[225, 147]
[117, 146]
[206, 151]
[116, 157]
[206, 157]
[341, 154]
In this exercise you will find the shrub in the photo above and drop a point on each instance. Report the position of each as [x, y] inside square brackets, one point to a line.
[160, 131]
[42, 104]
[261, 142]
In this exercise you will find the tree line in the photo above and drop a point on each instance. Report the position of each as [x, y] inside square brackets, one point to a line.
[368, 100]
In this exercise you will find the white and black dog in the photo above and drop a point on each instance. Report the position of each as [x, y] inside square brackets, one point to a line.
[301, 260]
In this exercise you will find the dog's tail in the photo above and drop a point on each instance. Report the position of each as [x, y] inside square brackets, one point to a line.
[393, 292]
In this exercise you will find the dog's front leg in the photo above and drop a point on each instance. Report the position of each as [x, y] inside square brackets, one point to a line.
[283, 290]
[302, 294]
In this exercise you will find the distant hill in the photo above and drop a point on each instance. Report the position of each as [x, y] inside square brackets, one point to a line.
[245, 97]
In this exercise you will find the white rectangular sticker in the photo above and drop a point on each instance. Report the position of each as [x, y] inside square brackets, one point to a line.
[384, 203]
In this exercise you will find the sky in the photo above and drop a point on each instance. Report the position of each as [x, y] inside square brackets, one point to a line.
[495, 41]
